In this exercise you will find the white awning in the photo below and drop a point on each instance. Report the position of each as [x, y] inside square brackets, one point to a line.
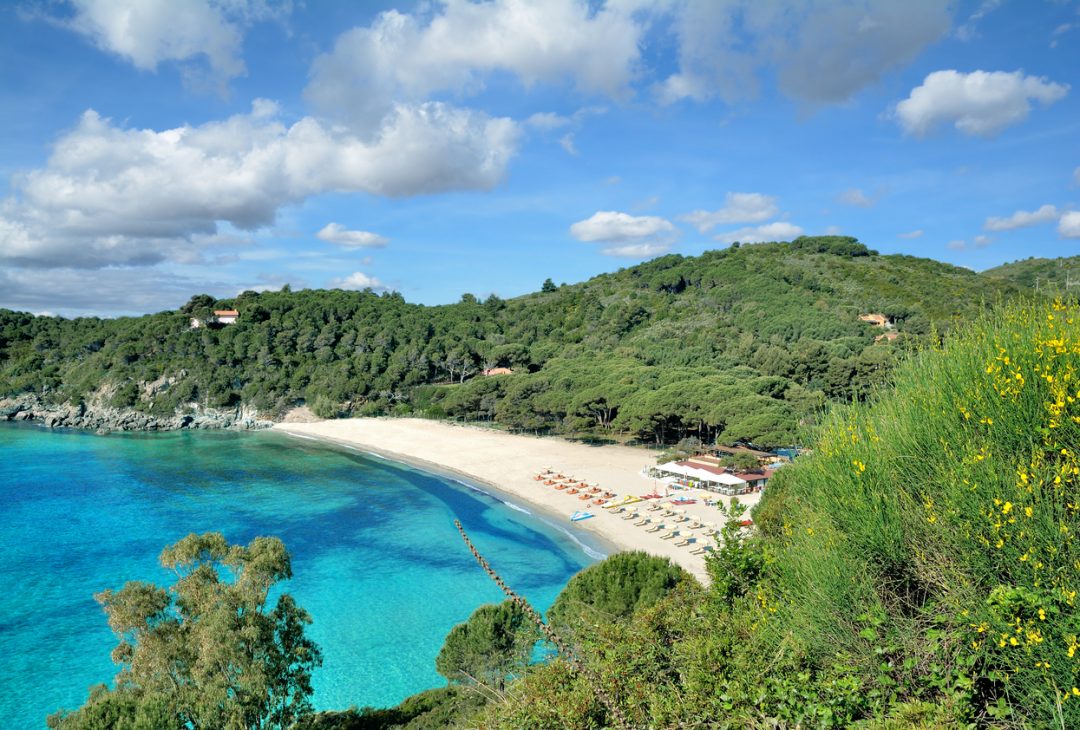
[701, 475]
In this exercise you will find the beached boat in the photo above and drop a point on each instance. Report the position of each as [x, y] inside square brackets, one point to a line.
[580, 515]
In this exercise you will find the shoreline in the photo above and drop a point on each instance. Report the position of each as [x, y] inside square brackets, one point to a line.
[506, 464]
[596, 541]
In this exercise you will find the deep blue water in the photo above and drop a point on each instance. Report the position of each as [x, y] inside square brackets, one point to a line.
[376, 558]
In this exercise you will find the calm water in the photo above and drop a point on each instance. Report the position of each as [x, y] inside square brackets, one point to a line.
[376, 558]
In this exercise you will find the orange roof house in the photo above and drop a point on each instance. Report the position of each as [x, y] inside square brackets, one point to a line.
[498, 371]
[225, 316]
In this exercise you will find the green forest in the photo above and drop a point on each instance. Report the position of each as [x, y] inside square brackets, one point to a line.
[747, 343]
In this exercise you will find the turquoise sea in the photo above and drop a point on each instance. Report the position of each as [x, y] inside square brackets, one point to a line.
[376, 558]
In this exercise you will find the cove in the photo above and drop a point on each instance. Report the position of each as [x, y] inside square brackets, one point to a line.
[376, 558]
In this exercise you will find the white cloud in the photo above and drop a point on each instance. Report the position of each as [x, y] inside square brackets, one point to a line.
[149, 32]
[567, 143]
[982, 241]
[917, 233]
[968, 30]
[406, 57]
[1069, 225]
[776, 231]
[824, 51]
[1059, 31]
[637, 250]
[357, 281]
[109, 292]
[547, 121]
[1022, 219]
[957, 245]
[738, 208]
[335, 233]
[857, 198]
[1076, 176]
[833, 230]
[115, 196]
[979, 103]
[633, 236]
[609, 225]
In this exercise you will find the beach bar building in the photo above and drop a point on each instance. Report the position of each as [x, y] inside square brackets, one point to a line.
[714, 479]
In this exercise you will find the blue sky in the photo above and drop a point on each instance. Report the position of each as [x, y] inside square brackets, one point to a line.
[154, 150]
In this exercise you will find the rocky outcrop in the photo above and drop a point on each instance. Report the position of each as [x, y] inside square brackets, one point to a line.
[105, 419]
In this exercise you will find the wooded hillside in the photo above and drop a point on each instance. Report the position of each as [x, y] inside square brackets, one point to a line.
[741, 343]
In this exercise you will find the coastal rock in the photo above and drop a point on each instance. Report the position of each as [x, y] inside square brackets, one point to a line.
[105, 419]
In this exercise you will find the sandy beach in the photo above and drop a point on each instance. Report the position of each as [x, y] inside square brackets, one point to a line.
[509, 464]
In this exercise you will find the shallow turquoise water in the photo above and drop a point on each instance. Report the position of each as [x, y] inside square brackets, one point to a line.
[376, 558]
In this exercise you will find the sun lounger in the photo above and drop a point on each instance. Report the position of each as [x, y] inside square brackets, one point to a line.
[655, 528]
[669, 535]
[643, 521]
[684, 542]
[654, 508]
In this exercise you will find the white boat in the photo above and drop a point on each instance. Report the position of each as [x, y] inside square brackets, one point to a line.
[579, 515]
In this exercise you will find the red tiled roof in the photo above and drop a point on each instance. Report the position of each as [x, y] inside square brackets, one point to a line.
[703, 467]
[226, 313]
[754, 476]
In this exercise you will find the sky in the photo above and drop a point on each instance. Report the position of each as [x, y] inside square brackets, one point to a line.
[153, 150]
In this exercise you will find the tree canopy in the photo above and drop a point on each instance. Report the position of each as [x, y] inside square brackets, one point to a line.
[492, 645]
[612, 590]
[208, 652]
